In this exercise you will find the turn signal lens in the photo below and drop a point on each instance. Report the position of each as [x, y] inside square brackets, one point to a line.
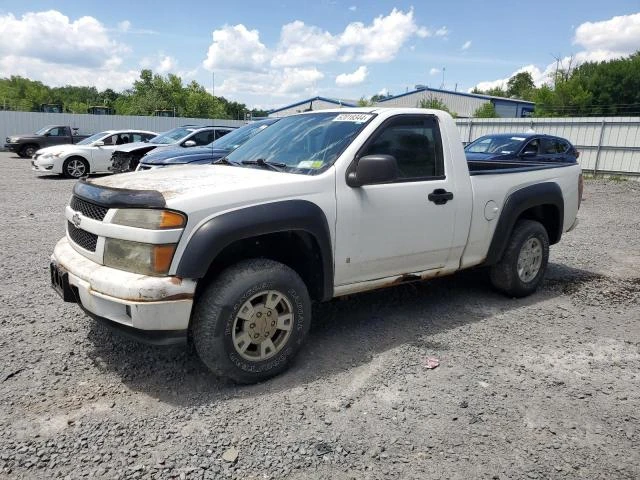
[149, 218]
[162, 256]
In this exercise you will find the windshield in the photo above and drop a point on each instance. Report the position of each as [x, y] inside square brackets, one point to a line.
[305, 143]
[92, 138]
[501, 144]
[233, 140]
[172, 136]
[43, 130]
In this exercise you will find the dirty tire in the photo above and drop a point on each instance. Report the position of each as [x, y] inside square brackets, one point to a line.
[28, 151]
[75, 167]
[217, 322]
[504, 275]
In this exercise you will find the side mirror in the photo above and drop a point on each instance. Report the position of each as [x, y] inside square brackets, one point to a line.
[528, 153]
[372, 169]
[47, 134]
[98, 143]
[189, 143]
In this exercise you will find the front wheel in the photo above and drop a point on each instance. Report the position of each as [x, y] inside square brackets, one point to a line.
[249, 323]
[524, 262]
[75, 167]
[28, 151]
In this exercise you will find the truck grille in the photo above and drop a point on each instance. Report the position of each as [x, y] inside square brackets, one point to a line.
[88, 209]
[81, 237]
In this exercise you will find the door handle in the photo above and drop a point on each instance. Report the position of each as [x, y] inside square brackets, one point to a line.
[440, 196]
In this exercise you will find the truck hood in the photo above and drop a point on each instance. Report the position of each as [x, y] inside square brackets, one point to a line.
[183, 155]
[193, 187]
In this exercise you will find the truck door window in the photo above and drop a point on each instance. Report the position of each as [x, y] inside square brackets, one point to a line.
[57, 132]
[415, 144]
[549, 146]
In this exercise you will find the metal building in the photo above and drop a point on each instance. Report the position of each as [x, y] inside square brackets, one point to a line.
[463, 104]
[311, 104]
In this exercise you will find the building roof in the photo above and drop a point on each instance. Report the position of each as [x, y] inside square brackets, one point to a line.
[337, 101]
[464, 94]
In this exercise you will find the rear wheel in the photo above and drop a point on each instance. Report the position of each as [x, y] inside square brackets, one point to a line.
[75, 167]
[250, 322]
[28, 151]
[524, 262]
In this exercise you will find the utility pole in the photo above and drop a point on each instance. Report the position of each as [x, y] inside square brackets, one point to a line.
[443, 70]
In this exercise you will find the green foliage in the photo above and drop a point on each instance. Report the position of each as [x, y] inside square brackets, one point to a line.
[436, 104]
[521, 86]
[610, 88]
[487, 110]
[149, 93]
[364, 102]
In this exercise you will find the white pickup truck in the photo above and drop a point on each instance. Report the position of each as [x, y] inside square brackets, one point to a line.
[320, 205]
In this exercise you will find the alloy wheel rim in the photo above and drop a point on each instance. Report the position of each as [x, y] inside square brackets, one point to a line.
[76, 168]
[262, 326]
[529, 259]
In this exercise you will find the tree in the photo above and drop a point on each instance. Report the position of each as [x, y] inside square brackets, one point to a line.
[520, 85]
[486, 110]
[436, 104]
[363, 102]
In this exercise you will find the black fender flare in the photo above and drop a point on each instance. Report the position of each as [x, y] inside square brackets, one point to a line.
[283, 216]
[548, 193]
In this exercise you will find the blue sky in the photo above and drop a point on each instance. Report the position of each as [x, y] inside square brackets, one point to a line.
[268, 54]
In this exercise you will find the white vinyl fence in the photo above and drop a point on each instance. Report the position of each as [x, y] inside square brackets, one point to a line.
[606, 144]
[12, 123]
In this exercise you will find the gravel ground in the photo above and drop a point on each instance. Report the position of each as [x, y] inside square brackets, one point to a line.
[543, 387]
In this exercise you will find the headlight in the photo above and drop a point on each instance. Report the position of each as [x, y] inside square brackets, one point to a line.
[142, 258]
[14, 139]
[150, 219]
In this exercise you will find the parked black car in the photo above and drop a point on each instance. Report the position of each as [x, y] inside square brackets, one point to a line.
[26, 145]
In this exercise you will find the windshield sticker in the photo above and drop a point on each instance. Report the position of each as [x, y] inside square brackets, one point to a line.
[520, 139]
[311, 164]
[352, 117]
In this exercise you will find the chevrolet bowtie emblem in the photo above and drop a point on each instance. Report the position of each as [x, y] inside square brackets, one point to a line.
[76, 219]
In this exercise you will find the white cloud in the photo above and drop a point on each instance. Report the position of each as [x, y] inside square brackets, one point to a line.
[618, 34]
[355, 78]
[52, 37]
[288, 82]
[384, 92]
[442, 32]
[353, 8]
[167, 64]
[236, 48]
[300, 44]
[604, 40]
[379, 41]
[124, 26]
[466, 45]
[52, 48]
[106, 76]
[434, 71]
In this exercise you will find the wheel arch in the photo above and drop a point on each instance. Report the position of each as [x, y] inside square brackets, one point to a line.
[293, 232]
[542, 202]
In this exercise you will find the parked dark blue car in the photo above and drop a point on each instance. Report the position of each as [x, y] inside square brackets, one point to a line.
[207, 153]
[528, 147]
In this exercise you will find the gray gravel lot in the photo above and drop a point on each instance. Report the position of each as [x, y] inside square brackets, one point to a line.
[543, 387]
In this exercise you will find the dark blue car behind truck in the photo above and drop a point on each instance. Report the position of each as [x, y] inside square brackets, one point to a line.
[207, 153]
[525, 147]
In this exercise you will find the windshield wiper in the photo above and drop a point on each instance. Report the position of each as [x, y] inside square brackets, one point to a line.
[223, 161]
[261, 162]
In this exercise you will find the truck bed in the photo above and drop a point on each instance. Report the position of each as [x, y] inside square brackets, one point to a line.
[495, 167]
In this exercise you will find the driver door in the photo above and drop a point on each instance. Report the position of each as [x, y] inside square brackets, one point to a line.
[395, 228]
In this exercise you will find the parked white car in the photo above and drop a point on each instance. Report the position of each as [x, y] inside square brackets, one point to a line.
[91, 155]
